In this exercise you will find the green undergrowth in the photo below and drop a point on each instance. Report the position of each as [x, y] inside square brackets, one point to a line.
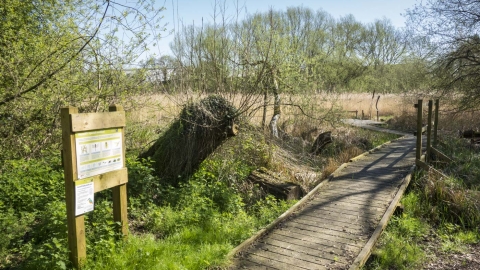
[191, 226]
[441, 214]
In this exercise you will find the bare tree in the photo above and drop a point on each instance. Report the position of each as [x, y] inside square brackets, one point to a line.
[452, 28]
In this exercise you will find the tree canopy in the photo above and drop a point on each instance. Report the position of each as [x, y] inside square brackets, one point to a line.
[311, 50]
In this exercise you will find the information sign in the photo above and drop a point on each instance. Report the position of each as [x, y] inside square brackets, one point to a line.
[84, 198]
[98, 152]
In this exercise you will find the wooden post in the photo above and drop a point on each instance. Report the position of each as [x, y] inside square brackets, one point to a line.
[419, 129]
[435, 125]
[119, 195]
[376, 106]
[76, 225]
[363, 115]
[429, 131]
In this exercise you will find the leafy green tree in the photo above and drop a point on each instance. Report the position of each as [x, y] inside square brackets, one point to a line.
[63, 52]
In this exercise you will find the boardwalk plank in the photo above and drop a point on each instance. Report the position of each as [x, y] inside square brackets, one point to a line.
[357, 193]
[352, 207]
[362, 186]
[345, 202]
[367, 179]
[326, 252]
[309, 239]
[314, 228]
[359, 211]
[364, 200]
[335, 212]
[324, 238]
[308, 251]
[246, 264]
[274, 261]
[290, 257]
[322, 228]
[354, 195]
[352, 225]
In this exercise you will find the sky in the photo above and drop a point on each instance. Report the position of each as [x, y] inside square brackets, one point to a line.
[192, 11]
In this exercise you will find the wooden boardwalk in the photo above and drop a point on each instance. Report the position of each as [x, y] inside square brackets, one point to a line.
[335, 226]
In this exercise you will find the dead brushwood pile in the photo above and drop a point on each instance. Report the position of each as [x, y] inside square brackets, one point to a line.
[200, 129]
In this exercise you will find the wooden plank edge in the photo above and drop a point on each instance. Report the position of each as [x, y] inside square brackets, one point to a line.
[95, 121]
[110, 179]
[367, 249]
[245, 244]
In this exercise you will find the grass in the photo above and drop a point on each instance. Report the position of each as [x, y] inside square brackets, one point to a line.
[196, 246]
[147, 253]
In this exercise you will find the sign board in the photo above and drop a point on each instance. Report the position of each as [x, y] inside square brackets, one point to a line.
[84, 199]
[93, 159]
[99, 152]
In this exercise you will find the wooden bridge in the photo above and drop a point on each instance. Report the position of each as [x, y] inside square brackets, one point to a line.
[337, 226]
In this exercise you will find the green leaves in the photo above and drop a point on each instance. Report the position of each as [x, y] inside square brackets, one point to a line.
[56, 53]
[30, 185]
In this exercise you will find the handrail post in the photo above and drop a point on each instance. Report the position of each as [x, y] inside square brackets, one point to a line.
[429, 131]
[435, 124]
[419, 129]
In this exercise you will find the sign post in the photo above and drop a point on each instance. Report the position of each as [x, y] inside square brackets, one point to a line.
[93, 160]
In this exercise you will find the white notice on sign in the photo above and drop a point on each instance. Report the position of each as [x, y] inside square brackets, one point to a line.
[83, 196]
[99, 152]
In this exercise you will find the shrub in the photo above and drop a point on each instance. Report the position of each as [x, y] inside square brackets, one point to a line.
[47, 244]
[142, 183]
[14, 228]
[29, 185]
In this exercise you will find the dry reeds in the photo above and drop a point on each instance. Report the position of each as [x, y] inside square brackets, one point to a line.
[343, 157]
[452, 201]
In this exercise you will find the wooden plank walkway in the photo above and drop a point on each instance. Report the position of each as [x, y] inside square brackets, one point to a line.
[331, 229]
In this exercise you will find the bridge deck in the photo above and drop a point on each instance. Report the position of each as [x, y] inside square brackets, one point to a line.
[331, 229]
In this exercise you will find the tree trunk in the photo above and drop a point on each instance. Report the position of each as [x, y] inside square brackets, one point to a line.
[274, 186]
[322, 140]
[265, 103]
[276, 109]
